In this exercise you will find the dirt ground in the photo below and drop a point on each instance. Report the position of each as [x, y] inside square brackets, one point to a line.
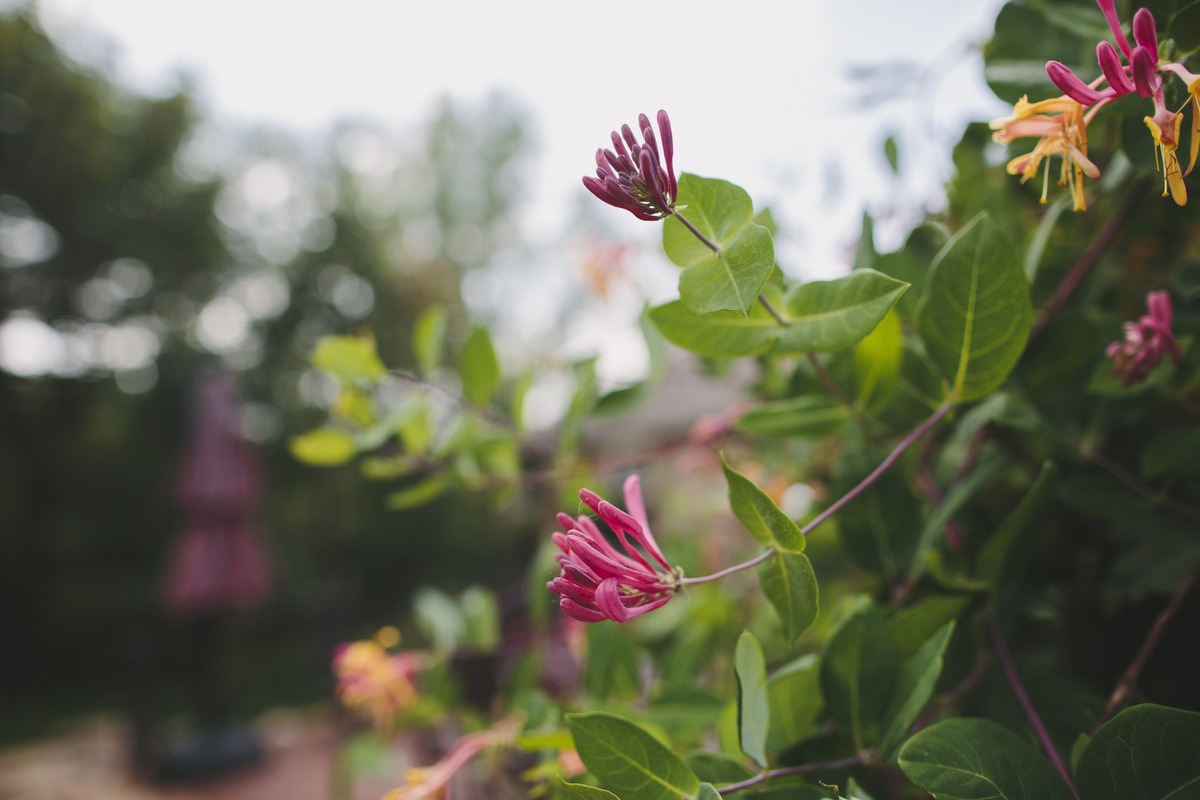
[91, 762]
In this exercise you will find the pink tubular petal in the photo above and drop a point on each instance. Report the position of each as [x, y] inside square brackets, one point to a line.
[1114, 71]
[668, 144]
[1110, 14]
[1159, 305]
[642, 608]
[635, 502]
[576, 611]
[1070, 84]
[608, 600]
[1144, 32]
[1144, 65]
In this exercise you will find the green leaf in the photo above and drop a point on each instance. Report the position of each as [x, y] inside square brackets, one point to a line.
[977, 759]
[479, 369]
[718, 767]
[708, 792]
[794, 693]
[1001, 547]
[1148, 752]
[809, 416]
[418, 494]
[892, 153]
[914, 686]
[721, 334]
[629, 760]
[1171, 451]
[731, 279]
[755, 509]
[1184, 28]
[348, 358]
[611, 668]
[880, 529]
[585, 792]
[912, 626]
[858, 672]
[323, 447]
[754, 712]
[429, 338]
[976, 314]
[877, 360]
[790, 585]
[823, 316]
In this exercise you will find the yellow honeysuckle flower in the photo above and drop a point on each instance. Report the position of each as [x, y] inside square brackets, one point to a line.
[1165, 131]
[1061, 128]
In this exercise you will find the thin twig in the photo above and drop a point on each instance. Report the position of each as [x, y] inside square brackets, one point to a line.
[763, 777]
[1120, 695]
[696, 232]
[1014, 681]
[1136, 484]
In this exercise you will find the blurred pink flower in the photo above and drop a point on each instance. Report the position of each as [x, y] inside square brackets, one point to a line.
[600, 581]
[637, 179]
[373, 683]
[1146, 342]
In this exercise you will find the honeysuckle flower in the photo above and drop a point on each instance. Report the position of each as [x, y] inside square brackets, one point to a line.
[633, 175]
[1146, 342]
[373, 683]
[1061, 129]
[428, 783]
[599, 581]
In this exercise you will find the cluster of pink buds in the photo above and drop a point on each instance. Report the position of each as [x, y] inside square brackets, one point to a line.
[1061, 123]
[601, 581]
[1146, 342]
[634, 175]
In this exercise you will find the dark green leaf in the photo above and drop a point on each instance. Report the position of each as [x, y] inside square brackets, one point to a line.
[796, 703]
[754, 712]
[914, 686]
[629, 760]
[611, 668]
[790, 585]
[1147, 752]
[1171, 451]
[585, 792]
[731, 279]
[717, 767]
[976, 314]
[913, 625]
[1184, 28]
[858, 672]
[755, 509]
[823, 316]
[977, 759]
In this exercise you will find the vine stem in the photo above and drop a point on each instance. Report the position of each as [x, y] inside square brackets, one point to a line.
[687, 223]
[763, 777]
[866, 482]
[1129, 678]
[1018, 689]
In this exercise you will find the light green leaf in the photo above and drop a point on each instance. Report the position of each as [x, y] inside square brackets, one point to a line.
[1148, 752]
[323, 447]
[348, 358]
[721, 334]
[877, 360]
[585, 792]
[829, 315]
[976, 314]
[429, 338]
[708, 792]
[809, 416]
[790, 585]
[629, 760]
[977, 759]
[795, 697]
[754, 712]
[713, 767]
[755, 509]
[914, 686]
[420, 493]
[479, 369]
[731, 279]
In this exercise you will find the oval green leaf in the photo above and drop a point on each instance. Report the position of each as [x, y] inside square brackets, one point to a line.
[1147, 751]
[754, 711]
[629, 760]
[479, 369]
[348, 358]
[830, 315]
[755, 509]
[976, 313]
[788, 581]
[723, 334]
[809, 416]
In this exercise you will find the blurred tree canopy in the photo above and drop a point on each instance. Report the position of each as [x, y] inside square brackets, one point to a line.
[137, 245]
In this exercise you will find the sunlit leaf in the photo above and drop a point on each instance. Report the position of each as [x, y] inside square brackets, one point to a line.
[348, 358]
[723, 334]
[429, 338]
[759, 514]
[823, 316]
[629, 760]
[423, 491]
[479, 369]
[323, 447]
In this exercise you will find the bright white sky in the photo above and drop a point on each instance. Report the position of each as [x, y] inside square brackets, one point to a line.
[757, 91]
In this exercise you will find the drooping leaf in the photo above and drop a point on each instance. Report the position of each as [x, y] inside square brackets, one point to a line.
[759, 514]
[754, 711]
[629, 760]
[429, 338]
[823, 316]
[721, 334]
[788, 581]
[977, 759]
[976, 314]
[806, 416]
[1147, 751]
[348, 358]
[1184, 28]
[731, 279]
[858, 672]
[323, 447]
[479, 369]
[796, 703]
[914, 686]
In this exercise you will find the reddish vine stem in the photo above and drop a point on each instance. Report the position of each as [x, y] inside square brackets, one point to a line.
[1120, 695]
[763, 777]
[1031, 715]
